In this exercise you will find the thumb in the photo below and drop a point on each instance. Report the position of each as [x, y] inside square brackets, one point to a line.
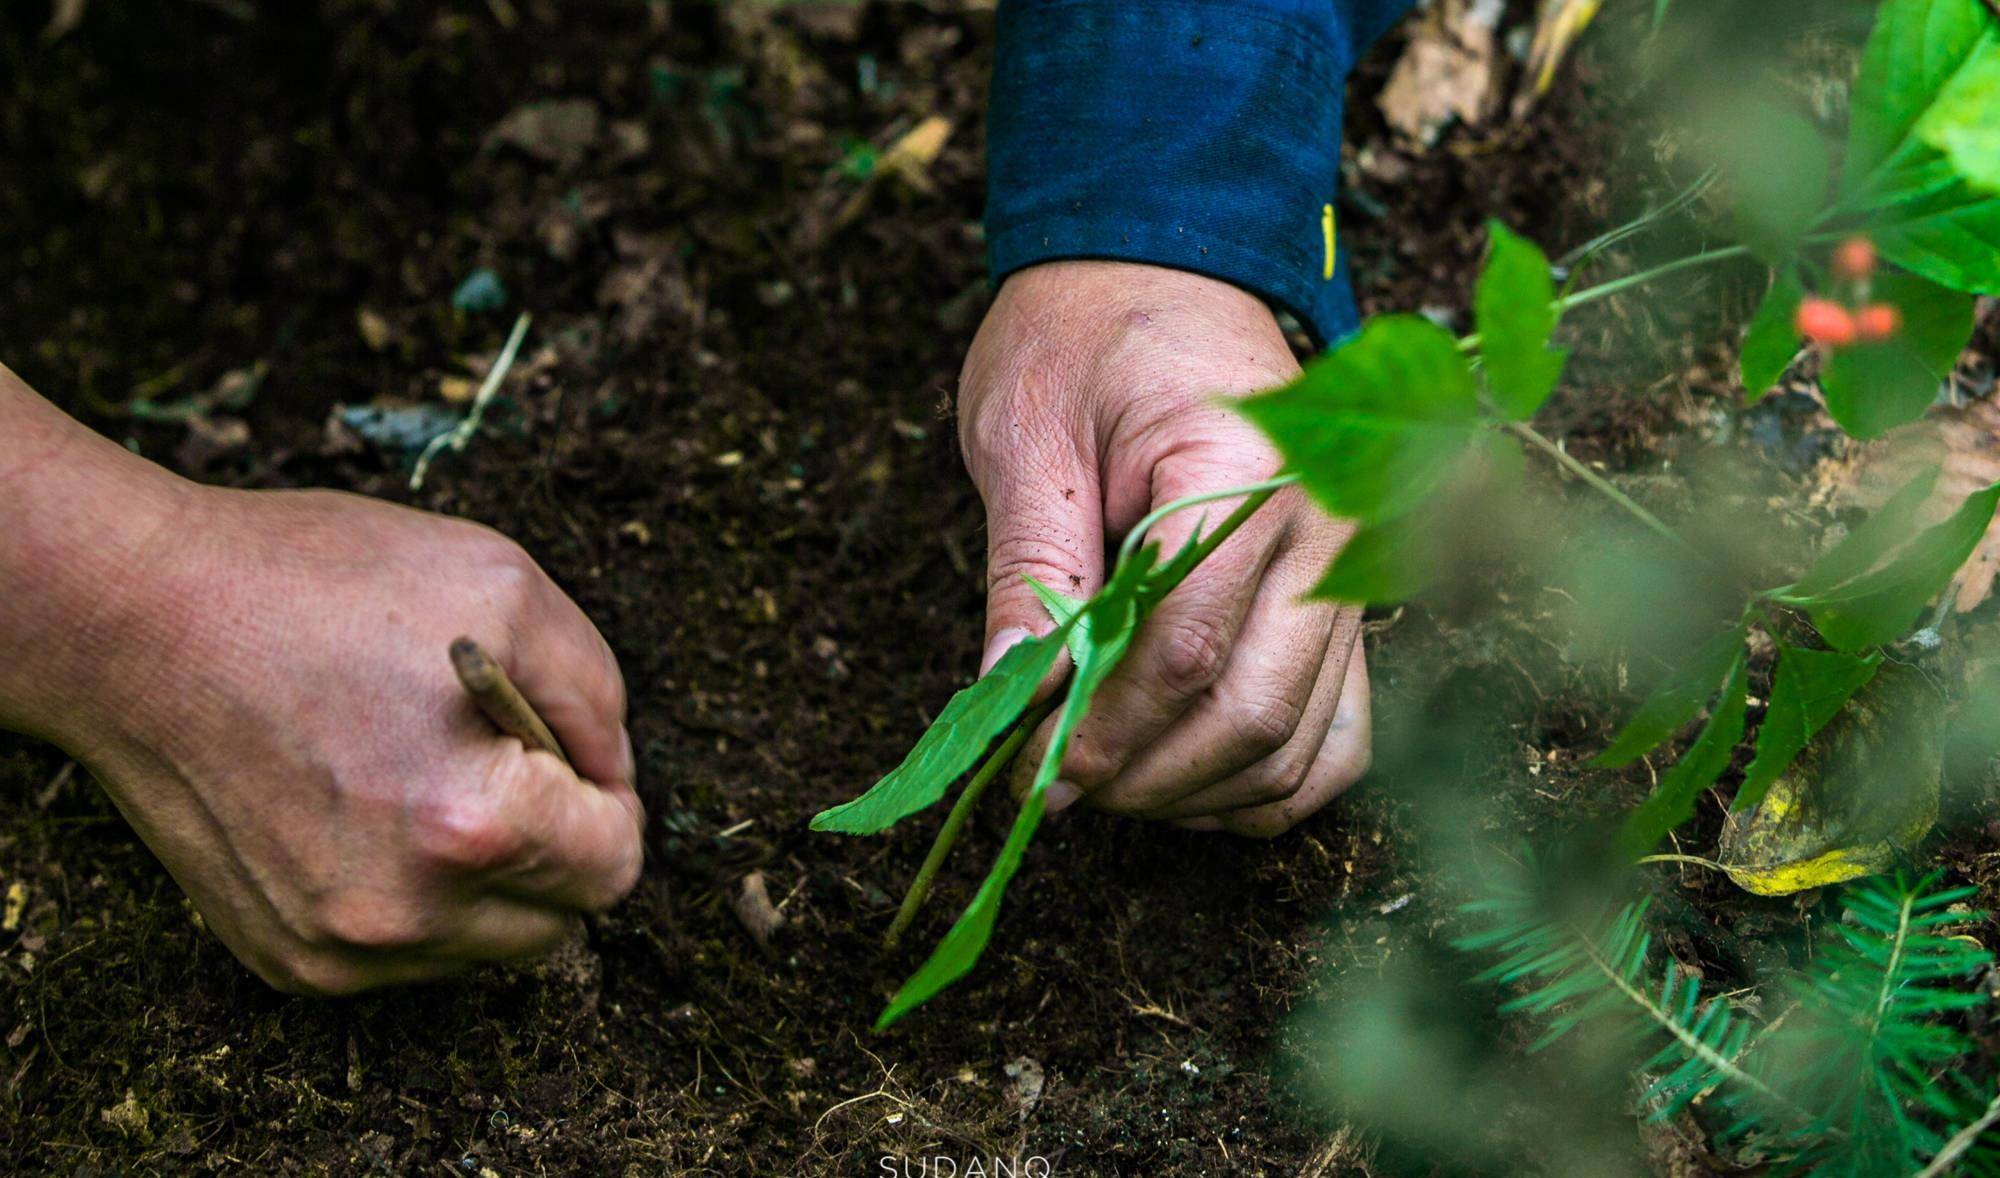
[1044, 519]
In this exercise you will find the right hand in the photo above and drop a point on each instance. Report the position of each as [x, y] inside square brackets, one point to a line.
[270, 703]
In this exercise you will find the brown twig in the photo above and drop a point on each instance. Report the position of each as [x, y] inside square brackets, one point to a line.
[499, 699]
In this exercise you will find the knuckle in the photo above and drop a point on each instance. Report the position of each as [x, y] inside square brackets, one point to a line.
[1266, 722]
[1191, 655]
[511, 577]
[313, 973]
[1278, 778]
[1266, 823]
[371, 921]
[1044, 553]
[617, 883]
[466, 834]
[1090, 762]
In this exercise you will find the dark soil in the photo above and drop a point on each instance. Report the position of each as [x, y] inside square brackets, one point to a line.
[730, 439]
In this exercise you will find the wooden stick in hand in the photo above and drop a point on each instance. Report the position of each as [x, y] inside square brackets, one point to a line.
[499, 699]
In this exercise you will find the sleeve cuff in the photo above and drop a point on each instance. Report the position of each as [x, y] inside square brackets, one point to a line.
[1198, 134]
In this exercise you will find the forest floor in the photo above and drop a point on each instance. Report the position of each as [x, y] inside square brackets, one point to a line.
[730, 438]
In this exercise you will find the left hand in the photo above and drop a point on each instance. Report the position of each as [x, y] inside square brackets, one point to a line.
[1090, 397]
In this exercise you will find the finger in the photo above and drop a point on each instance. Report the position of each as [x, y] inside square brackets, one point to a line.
[1342, 762]
[501, 928]
[1044, 519]
[575, 847]
[1179, 652]
[1261, 724]
[1283, 771]
[568, 673]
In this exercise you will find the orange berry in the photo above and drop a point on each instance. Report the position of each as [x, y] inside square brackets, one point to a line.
[1854, 259]
[1877, 321]
[1824, 321]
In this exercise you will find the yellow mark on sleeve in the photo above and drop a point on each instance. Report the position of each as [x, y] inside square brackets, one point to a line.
[1327, 231]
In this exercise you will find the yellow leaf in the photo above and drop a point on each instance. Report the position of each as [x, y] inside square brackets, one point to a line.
[1862, 795]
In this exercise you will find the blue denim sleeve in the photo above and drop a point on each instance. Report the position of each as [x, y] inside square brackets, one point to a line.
[1198, 134]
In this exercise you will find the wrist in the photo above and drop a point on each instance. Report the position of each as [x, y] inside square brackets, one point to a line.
[89, 527]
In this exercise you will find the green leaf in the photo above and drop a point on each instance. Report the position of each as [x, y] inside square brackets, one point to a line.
[1382, 563]
[1922, 213]
[1964, 123]
[1515, 308]
[1812, 686]
[1949, 235]
[1881, 606]
[1676, 701]
[1672, 801]
[1870, 541]
[1781, 169]
[1374, 424]
[1916, 50]
[954, 741]
[1772, 339]
[1062, 608]
[1872, 388]
[1112, 616]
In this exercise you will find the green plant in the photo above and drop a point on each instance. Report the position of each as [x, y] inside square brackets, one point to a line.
[1857, 1076]
[1383, 429]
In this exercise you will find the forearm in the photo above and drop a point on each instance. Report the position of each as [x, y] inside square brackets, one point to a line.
[82, 520]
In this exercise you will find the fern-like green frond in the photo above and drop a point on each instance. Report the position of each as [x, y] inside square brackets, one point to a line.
[1875, 1057]
[1861, 1078]
[1579, 971]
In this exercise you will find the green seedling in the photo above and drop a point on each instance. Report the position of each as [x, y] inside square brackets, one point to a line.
[1377, 430]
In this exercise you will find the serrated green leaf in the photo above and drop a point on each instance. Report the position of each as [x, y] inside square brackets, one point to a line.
[1111, 617]
[1676, 701]
[1964, 122]
[954, 741]
[1672, 800]
[1922, 212]
[1372, 426]
[1514, 305]
[1950, 235]
[1871, 540]
[1881, 606]
[1062, 608]
[1916, 49]
[1383, 562]
[1872, 388]
[1772, 339]
[1811, 688]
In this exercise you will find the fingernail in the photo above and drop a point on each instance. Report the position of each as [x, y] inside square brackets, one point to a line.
[627, 760]
[1203, 824]
[999, 645]
[1060, 795]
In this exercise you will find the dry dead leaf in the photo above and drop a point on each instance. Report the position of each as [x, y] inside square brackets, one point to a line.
[66, 16]
[1447, 71]
[557, 132]
[912, 154]
[752, 904]
[1964, 442]
[1557, 26]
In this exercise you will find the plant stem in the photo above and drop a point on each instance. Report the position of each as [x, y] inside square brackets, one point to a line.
[1258, 493]
[1961, 1141]
[1597, 482]
[920, 887]
[1603, 290]
[968, 798]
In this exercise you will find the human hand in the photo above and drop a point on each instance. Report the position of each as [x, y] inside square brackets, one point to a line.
[269, 701]
[1089, 397]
